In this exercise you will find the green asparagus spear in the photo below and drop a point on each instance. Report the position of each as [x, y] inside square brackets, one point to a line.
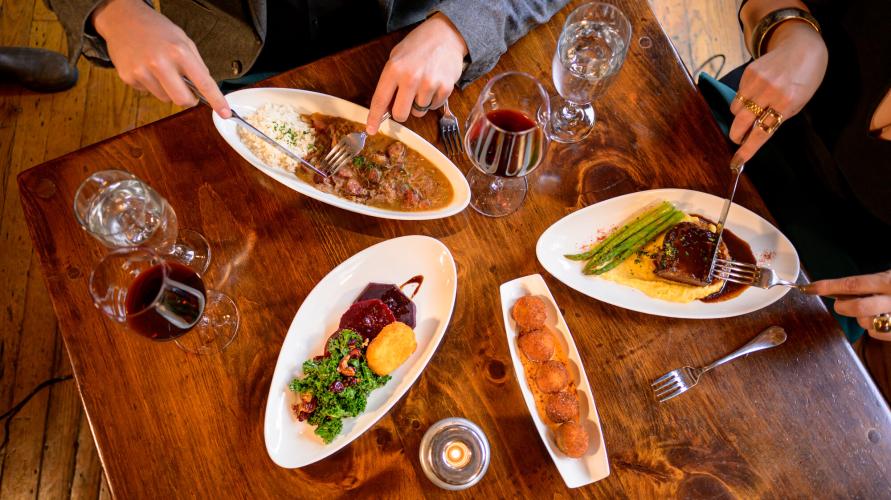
[608, 254]
[625, 231]
[630, 249]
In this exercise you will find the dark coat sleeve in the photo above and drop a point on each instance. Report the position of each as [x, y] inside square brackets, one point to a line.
[489, 27]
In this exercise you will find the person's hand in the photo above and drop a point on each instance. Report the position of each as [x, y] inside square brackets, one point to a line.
[785, 78]
[423, 69]
[876, 289]
[153, 54]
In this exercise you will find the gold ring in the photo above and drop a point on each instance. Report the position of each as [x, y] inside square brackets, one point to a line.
[750, 105]
[882, 322]
[769, 126]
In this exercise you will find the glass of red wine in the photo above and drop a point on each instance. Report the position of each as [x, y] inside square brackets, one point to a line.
[120, 210]
[506, 139]
[162, 299]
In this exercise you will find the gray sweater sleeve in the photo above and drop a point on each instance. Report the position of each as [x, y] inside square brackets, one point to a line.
[489, 27]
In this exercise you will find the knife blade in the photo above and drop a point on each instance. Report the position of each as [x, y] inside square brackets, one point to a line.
[257, 132]
[737, 171]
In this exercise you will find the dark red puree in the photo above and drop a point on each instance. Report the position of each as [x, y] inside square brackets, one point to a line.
[367, 318]
[402, 306]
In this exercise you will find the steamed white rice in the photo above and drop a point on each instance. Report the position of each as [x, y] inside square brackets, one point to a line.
[284, 124]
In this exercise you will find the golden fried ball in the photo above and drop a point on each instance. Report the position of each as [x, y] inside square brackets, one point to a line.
[529, 312]
[537, 345]
[392, 346]
[551, 376]
[572, 439]
[562, 407]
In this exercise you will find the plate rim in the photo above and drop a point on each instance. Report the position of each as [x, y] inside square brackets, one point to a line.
[433, 346]
[461, 190]
[540, 252]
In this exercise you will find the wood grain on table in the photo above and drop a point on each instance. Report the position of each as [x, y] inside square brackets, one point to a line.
[803, 419]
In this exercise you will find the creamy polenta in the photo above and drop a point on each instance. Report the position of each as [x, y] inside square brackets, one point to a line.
[638, 271]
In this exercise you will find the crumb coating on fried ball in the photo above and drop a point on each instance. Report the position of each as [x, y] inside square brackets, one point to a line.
[537, 345]
[562, 407]
[392, 346]
[572, 439]
[530, 313]
[551, 376]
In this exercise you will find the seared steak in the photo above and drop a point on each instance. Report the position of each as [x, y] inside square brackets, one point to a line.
[686, 254]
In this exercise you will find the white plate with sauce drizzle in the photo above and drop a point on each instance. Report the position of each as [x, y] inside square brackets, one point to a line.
[579, 229]
[293, 444]
[246, 102]
[594, 464]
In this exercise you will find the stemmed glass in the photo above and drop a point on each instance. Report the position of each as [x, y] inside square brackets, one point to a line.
[120, 210]
[163, 300]
[505, 141]
[590, 52]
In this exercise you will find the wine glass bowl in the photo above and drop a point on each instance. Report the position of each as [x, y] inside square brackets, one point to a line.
[120, 210]
[163, 300]
[505, 140]
[590, 52]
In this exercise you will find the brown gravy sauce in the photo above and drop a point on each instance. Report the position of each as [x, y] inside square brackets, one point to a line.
[740, 251]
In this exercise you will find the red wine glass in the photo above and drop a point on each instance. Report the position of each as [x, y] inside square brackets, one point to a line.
[163, 300]
[505, 140]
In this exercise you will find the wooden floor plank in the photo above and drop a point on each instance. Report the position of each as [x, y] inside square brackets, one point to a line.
[87, 479]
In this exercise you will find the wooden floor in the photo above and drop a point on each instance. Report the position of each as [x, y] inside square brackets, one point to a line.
[51, 452]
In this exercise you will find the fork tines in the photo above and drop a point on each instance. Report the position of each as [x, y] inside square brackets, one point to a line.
[450, 137]
[668, 386]
[736, 272]
[339, 156]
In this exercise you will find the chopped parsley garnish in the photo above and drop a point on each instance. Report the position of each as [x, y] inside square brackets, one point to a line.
[359, 161]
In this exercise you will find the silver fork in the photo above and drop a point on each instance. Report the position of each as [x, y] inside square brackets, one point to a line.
[681, 380]
[257, 132]
[347, 148]
[749, 274]
[450, 131]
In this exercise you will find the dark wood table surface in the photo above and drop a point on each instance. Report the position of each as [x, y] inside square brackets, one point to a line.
[802, 420]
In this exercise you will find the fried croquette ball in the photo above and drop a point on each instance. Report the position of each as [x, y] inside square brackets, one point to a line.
[551, 376]
[529, 312]
[392, 346]
[537, 345]
[562, 407]
[572, 439]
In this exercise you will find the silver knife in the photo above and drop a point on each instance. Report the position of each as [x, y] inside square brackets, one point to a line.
[737, 171]
[254, 130]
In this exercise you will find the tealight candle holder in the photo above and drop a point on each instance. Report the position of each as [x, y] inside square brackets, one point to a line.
[454, 453]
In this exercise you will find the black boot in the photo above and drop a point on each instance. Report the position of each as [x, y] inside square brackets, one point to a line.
[39, 70]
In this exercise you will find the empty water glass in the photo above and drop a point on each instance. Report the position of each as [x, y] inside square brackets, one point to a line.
[590, 52]
[120, 210]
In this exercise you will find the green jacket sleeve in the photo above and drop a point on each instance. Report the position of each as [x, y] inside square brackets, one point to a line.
[82, 38]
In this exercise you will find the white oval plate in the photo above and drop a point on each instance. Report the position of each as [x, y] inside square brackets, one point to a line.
[246, 102]
[571, 233]
[293, 444]
[593, 465]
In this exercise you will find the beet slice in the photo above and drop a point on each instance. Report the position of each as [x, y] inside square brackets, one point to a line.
[401, 306]
[367, 318]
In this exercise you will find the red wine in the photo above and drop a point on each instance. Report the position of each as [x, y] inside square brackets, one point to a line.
[506, 143]
[177, 309]
[510, 120]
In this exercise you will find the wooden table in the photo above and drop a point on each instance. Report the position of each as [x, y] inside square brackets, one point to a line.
[800, 420]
